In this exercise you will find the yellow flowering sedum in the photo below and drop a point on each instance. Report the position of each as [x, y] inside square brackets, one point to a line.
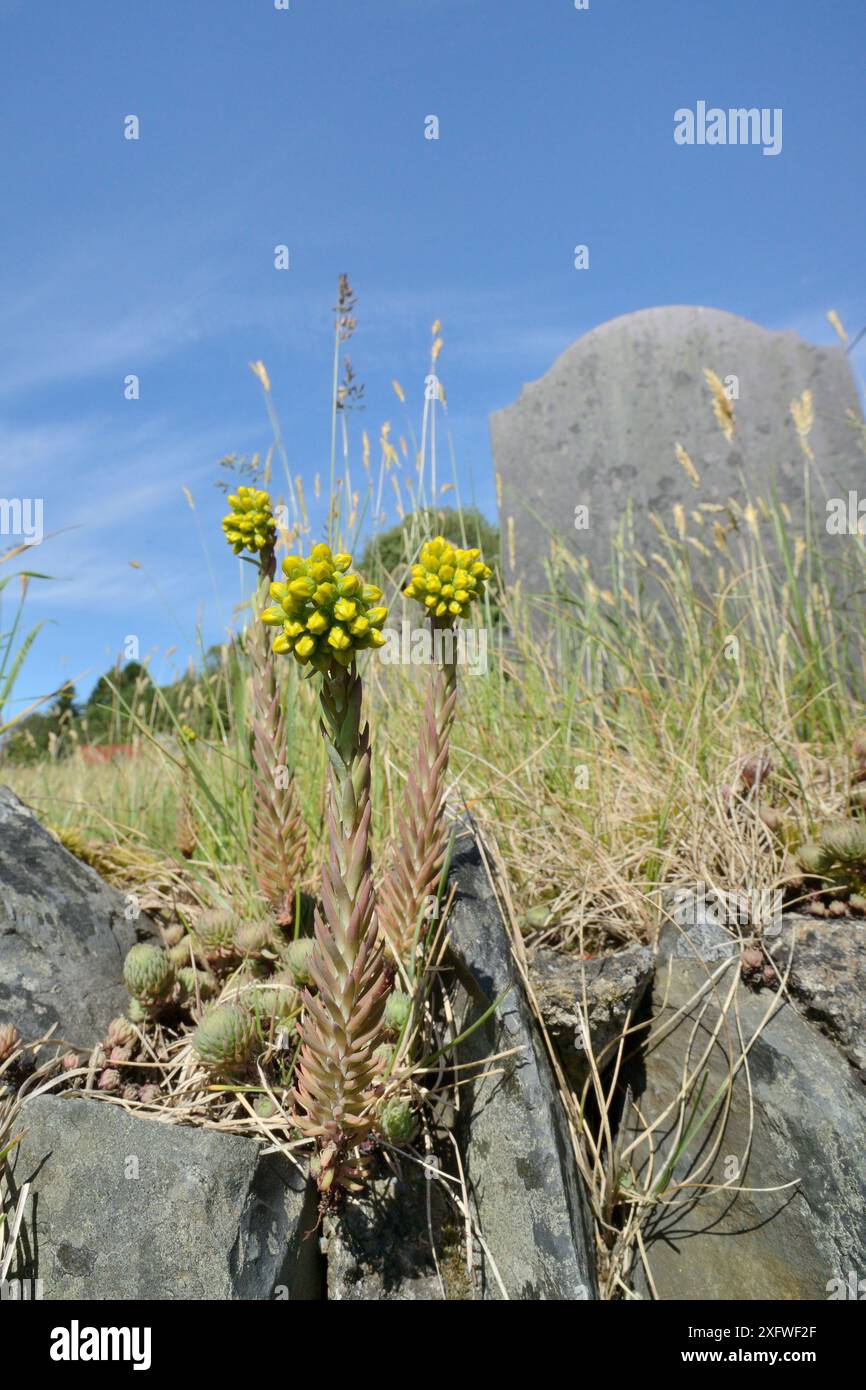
[325, 612]
[447, 581]
[250, 524]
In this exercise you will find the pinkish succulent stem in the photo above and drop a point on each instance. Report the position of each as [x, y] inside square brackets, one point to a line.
[414, 868]
[341, 1026]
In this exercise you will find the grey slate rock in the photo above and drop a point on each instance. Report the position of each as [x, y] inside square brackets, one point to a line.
[518, 1156]
[808, 1113]
[696, 927]
[600, 429]
[63, 935]
[379, 1248]
[828, 978]
[207, 1217]
[609, 988]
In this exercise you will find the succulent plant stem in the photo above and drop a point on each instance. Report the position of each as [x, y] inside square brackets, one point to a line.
[279, 834]
[342, 1020]
[415, 861]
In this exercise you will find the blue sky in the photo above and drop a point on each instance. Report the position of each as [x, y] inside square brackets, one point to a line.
[305, 127]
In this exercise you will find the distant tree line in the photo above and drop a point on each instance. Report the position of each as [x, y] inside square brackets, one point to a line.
[120, 701]
[106, 716]
[384, 553]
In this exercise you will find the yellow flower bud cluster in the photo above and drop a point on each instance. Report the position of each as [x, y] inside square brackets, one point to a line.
[250, 524]
[447, 581]
[325, 612]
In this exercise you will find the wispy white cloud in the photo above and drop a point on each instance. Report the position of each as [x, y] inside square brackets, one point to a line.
[47, 342]
[99, 303]
[24, 449]
[115, 501]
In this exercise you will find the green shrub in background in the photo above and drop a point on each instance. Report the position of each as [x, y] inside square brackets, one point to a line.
[386, 552]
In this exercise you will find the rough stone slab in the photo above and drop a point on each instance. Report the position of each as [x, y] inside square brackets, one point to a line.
[809, 1118]
[828, 978]
[63, 935]
[518, 1156]
[380, 1247]
[207, 1217]
[601, 427]
[691, 928]
[607, 989]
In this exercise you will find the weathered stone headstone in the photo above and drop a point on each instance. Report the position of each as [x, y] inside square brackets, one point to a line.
[64, 935]
[126, 1208]
[603, 424]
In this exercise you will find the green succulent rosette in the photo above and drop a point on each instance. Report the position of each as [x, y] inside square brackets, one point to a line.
[397, 1121]
[325, 613]
[224, 1040]
[148, 974]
